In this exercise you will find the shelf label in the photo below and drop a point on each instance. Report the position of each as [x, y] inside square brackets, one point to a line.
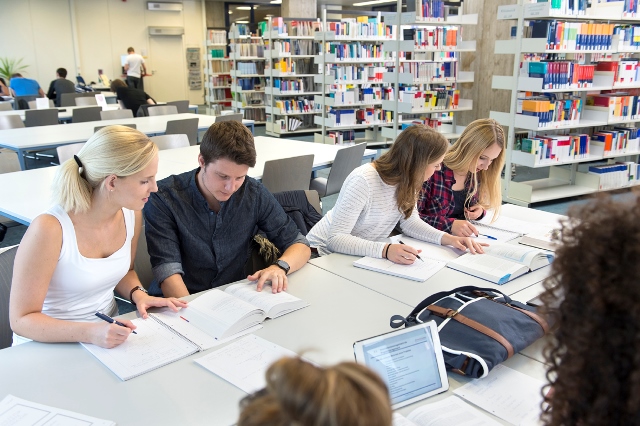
[537, 9]
[509, 11]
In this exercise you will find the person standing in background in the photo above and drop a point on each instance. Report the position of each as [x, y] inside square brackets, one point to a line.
[135, 69]
[59, 86]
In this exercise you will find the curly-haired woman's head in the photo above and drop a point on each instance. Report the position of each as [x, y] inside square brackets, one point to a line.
[299, 393]
[594, 296]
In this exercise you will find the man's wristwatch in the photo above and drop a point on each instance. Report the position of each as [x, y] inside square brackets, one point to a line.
[283, 265]
[134, 289]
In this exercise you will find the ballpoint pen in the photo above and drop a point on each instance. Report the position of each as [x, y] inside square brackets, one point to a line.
[108, 319]
[417, 256]
[488, 236]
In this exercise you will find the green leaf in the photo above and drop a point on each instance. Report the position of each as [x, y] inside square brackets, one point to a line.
[9, 66]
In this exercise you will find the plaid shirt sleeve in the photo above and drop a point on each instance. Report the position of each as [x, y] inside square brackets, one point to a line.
[435, 202]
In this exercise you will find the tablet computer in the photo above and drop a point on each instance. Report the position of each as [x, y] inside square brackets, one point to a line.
[409, 361]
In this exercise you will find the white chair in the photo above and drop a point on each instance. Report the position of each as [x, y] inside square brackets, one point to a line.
[162, 110]
[9, 161]
[170, 141]
[13, 121]
[347, 159]
[183, 106]
[187, 126]
[32, 104]
[116, 114]
[86, 101]
[66, 152]
[229, 117]
[6, 274]
[5, 106]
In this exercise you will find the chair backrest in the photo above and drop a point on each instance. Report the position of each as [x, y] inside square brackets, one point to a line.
[116, 114]
[9, 162]
[22, 102]
[170, 141]
[68, 99]
[288, 174]
[13, 121]
[347, 159]
[80, 115]
[229, 117]
[188, 126]
[143, 110]
[41, 117]
[142, 262]
[86, 101]
[162, 110]
[5, 106]
[67, 151]
[183, 106]
[6, 274]
[32, 104]
[95, 129]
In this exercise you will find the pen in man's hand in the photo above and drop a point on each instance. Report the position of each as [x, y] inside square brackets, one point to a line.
[417, 256]
[108, 319]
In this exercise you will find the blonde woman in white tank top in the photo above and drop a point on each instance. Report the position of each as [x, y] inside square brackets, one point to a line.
[74, 255]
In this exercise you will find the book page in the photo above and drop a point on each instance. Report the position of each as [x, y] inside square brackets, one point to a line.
[493, 235]
[505, 393]
[177, 322]
[450, 411]
[153, 347]
[491, 268]
[417, 271]
[400, 420]
[220, 314]
[515, 225]
[265, 299]
[15, 411]
[244, 362]
[515, 253]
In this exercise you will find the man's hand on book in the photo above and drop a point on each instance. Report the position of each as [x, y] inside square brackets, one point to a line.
[273, 273]
[144, 301]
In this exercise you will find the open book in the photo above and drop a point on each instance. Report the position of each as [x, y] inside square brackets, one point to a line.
[446, 412]
[418, 271]
[502, 262]
[211, 319]
[546, 241]
[515, 226]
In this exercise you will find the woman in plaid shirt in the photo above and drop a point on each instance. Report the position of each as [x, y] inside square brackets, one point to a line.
[468, 182]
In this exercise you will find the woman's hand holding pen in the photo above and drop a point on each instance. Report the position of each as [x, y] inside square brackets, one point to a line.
[473, 212]
[108, 335]
[401, 253]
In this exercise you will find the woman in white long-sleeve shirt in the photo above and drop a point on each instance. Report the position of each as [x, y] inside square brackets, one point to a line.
[378, 195]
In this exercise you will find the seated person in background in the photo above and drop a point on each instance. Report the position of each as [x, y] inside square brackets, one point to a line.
[73, 256]
[130, 98]
[21, 86]
[4, 90]
[59, 86]
[299, 393]
[377, 195]
[200, 224]
[468, 182]
[594, 297]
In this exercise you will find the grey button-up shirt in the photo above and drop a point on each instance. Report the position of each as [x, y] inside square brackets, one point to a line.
[209, 249]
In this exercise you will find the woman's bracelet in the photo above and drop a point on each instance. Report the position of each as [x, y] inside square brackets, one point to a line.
[386, 251]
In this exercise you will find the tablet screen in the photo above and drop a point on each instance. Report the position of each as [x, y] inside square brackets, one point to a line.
[407, 362]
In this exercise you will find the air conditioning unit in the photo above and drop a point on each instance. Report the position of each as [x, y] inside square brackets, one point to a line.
[166, 31]
[165, 7]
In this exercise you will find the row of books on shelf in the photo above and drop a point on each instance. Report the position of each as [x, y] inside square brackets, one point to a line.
[251, 99]
[425, 72]
[625, 70]
[290, 124]
[342, 137]
[220, 94]
[250, 83]
[293, 106]
[217, 37]
[218, 53]
[250, 67]
[433, 56]
[240, 29]
[551, 109]
[429, 9]
[616, 175]
[429, 99]
[565, 7]
[628, 36]
[219, 67]
[296, 28]
[299, 84]
[257, 114]
[436, 37]
[295, 47]
[220, 80]
[347, 73]
[248, 49]
[356, 51]
[347, 94]
[562, 35]
[434, 123]
[559, 75]
[360, 27]
[620, 105]
[350, 117]
[296, 66]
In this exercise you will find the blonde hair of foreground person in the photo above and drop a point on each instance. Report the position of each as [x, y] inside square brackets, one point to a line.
[299, 393]
[113, 150]
[465, 152]
[404, 164]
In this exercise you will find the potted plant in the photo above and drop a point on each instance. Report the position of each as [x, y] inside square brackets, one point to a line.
[10, 66]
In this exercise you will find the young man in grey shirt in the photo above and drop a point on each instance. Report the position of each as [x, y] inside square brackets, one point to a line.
[59, 86]
[200, 224]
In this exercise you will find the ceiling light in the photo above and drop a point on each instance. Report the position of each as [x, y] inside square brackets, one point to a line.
[276, 2]
[255, 7]
[243, 7]
[242, 22]
[230, 12]
[367, 3]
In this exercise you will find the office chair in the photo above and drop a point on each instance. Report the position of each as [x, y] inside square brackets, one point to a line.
[6, 274]
[347, 159]
[288, 174]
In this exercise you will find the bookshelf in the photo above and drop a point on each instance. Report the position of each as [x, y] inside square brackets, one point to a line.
[576, 115]
[351, 62]
[428, 74]
[218, 72]
[247, 73]
[290, 71]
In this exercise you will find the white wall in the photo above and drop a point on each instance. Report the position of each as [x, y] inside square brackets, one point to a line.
[41, 32]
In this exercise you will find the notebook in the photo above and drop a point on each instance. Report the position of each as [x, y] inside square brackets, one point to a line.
[409, 361]
[420, 270]
[502, 262]
[211, 319]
